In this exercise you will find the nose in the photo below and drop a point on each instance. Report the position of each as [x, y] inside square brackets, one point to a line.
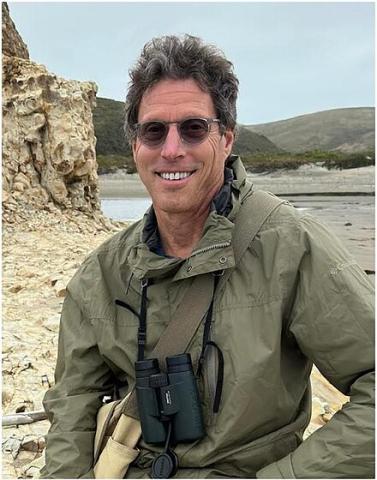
[173, 147]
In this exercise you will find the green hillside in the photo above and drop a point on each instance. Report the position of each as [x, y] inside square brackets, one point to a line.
[108, 126]
[250, 143]
[347, 130]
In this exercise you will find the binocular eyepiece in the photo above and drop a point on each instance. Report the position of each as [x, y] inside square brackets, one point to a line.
[168, 397]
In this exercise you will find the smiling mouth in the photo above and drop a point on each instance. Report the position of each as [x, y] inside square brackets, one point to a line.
[174, 175]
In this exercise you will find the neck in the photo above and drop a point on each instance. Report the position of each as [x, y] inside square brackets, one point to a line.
[180, 232]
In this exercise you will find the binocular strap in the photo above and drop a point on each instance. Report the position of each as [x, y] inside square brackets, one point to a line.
[165, 465]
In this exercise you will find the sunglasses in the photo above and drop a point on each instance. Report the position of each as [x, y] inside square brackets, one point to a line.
[191, 131]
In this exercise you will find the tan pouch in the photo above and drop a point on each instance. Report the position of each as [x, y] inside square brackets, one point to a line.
[107, 417]
[114, 460]
[115, 451]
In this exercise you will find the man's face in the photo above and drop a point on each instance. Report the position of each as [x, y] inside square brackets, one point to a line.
[173, 101]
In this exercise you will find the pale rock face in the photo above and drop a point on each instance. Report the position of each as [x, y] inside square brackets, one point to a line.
[48, 138]
[49, 159]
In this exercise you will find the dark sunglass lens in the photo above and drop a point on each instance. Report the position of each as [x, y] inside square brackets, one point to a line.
[194, 130]
[152, 133]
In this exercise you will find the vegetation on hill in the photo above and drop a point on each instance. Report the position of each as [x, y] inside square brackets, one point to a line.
[345, 129]
[283, 160]
[250, 143]
[108, 118]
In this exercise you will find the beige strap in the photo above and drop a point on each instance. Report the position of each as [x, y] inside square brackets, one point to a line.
[254, 211]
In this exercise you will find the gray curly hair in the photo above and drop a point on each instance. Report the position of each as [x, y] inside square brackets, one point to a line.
[179, 58]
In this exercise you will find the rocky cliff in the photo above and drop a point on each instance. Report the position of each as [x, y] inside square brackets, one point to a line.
[49, 160]
[12, 43]
[51, 214]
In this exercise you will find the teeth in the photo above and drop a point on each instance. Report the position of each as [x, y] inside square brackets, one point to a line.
[174, 175]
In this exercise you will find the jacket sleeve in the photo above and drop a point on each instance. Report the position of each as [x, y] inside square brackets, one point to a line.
[81, 379]
[332, 320]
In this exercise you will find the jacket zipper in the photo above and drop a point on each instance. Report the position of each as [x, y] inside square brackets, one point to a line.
[211, 247]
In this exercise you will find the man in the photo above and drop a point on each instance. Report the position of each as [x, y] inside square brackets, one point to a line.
[296, 298]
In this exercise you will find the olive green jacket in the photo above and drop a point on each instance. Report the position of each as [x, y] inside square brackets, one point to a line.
[297, 298]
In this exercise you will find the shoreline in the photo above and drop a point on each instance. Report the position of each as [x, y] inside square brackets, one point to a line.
[306, 180]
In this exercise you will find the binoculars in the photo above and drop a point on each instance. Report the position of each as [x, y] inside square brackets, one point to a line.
[168, 397]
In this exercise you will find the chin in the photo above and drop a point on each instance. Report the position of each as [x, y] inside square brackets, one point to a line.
[173, 208]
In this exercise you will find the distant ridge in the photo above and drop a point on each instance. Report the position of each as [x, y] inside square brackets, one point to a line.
[344, 129]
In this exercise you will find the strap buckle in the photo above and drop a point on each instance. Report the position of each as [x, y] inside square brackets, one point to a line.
[141, 337]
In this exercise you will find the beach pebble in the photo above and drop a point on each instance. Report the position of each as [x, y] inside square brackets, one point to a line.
[24, 405]
[15, 288]
[52, 323]
[53, 280]
[32, 470]
[12, 445]
[30, 443]
[60, 289]
[7, 394]
[41, 443]
[25, 363]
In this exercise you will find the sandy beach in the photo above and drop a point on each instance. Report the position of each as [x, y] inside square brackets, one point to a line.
[41, 255]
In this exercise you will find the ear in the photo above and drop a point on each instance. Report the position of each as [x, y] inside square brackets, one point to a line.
[228, 139]
[134, 151]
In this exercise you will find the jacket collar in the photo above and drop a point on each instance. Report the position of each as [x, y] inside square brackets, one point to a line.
[214, 251]
[222, 204]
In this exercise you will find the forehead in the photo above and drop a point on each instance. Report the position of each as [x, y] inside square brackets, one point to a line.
[175, 97]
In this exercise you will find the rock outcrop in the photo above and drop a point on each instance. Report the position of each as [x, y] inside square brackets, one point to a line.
[49, 159]
[12, 43]
[51, 197]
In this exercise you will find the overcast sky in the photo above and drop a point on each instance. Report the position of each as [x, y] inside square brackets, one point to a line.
[290, 58]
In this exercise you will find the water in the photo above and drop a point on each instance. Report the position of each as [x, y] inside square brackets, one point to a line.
[335, 207]
[127, 209]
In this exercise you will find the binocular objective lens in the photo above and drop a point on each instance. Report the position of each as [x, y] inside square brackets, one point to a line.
[144, 368]
[179, 363]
